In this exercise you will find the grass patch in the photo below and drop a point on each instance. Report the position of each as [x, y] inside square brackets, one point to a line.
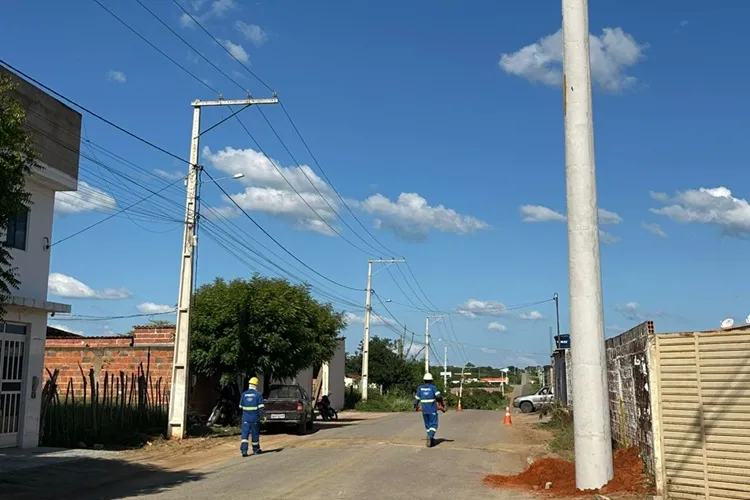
[387, 403]
[561, 426]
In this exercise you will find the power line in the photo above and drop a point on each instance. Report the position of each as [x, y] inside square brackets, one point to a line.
[107, 318]
[92, 113]
[280, 245]
[259, 147]
[222, 46]
[183, 68]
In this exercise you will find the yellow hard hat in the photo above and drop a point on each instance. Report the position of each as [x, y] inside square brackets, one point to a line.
[254, 381]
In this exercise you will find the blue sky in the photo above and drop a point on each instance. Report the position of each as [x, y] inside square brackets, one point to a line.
[441, 127]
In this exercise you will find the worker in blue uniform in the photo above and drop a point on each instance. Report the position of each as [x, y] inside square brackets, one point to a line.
[429, 398]
[252, 406]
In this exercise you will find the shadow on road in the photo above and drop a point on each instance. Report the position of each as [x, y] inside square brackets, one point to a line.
[439, 441]
[90, 478]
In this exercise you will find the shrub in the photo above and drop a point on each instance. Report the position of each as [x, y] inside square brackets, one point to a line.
[351, 398]
[394, 401]
[478, 400]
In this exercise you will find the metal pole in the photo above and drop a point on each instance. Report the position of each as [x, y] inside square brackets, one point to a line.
[427, 345]
[557, 317]
[593, 445]
[178, 396]
[366, 340]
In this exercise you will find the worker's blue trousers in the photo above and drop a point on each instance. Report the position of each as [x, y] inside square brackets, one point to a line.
[430, 424]
[250, 430]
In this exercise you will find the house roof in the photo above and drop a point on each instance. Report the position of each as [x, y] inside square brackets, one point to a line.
[56, 333]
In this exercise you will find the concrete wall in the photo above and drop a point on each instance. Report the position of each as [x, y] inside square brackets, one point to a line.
[33, 263]
[336, 375]
[55, 127]
[629, 391]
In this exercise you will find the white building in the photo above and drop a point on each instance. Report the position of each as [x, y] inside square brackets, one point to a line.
[56, 129]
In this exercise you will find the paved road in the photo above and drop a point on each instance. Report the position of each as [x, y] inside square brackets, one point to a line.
[384, 458]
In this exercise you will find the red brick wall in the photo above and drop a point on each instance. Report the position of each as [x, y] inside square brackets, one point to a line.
[151, 347]
[148, 347]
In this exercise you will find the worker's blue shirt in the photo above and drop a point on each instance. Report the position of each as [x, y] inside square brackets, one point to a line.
[251, 403]
[427, 396]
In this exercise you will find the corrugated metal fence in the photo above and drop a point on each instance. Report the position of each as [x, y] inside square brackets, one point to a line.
[704, 407]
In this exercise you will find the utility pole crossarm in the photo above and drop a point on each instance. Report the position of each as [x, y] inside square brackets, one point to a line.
[236, 102]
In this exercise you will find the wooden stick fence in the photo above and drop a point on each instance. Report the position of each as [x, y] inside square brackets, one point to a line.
[117, 411]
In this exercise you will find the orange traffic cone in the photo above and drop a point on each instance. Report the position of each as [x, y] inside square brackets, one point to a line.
[507, 416]
[459, 406]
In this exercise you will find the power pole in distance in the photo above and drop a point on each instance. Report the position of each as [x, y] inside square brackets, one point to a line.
[556, 298]
[593, 444]
[368, 310]
[178, 397]
[427, 340]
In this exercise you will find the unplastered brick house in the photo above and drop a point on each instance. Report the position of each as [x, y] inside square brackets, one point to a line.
[56, 131]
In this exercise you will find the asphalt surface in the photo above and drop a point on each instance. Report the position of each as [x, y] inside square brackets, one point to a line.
[384, 458]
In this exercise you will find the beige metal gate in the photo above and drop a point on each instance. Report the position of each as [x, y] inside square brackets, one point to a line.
[704, 388]
[12, 358]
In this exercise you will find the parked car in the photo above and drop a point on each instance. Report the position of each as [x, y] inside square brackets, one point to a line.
[533, 402]
[289, 405]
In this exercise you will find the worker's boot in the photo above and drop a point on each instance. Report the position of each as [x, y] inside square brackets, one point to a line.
[428, 442]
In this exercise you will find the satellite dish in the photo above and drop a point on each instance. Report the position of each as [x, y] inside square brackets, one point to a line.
[747, 320]
[727, 323]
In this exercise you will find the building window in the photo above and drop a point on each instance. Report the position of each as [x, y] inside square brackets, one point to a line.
[13, 328]
[17, 229]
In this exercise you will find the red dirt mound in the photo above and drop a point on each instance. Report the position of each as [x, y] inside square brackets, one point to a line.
[628, 478]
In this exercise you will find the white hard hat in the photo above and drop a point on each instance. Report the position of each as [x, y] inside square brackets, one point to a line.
[428, 376]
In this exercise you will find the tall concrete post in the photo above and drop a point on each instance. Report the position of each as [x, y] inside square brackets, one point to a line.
[366, 339]
[180, 366]
[427, 345]
[593, 445]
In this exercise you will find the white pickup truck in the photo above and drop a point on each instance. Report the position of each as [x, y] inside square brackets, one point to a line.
[533, 402]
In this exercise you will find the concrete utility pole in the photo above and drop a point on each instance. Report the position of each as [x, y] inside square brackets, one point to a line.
[593, 445]
[445, 367]
[178, 397]
[427, 340]
[368, 310]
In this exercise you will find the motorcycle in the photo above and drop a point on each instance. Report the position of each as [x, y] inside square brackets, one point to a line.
[325, 410]
[225, 411]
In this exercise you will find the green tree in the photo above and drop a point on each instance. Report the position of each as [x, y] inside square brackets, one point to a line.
[387, 367]
[17, 155]
[260, 326]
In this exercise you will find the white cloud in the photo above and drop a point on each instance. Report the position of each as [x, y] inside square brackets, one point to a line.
[117, 76]
[654, 228]
[87, 198]
[65, 328]
[612, 53]
[540, 213]
[532, 316]
[268, 191]
[683, 23]
[630, 311]
[473, 308]
[375, 320]
[411, 217]
[608, 238]
[62, 285]
[607, 217]
[495, 326]
[237, 50]
[714, 206]
[218, 8]
[152, 308]
[173, 176]
[186, 21]
[252, 32]
[488, 350]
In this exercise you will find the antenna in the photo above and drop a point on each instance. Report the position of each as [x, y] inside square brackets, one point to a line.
[727, 323]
